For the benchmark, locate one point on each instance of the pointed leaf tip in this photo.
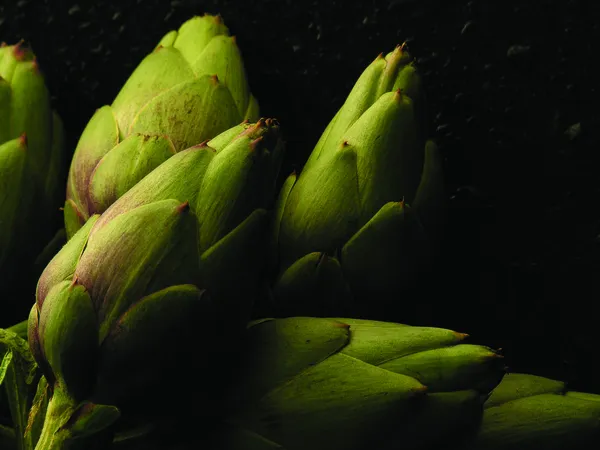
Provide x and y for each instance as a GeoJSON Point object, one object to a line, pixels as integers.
{"type": "Point", "coordinates": [322, 258]}
{"type": "Point", "coordinates": [215, 79]}
{"type": "Point", "coordinates": [23, 140]}
{"type": "Point", "coordinates": [203, 144]}
{"type": "Point", "coordinates": [341, 325]}
{"type": "Point", "coordinates": [422, 390]}
{"type": "Point", "coordinates": [461, 336]}
{"type": "Point", "coordinates": [256, 143]}
{"type": "Point", "coordinates": [398, 95]}
{"type": "Point", "coordinates": [20, 51]}
{"type": "Point", "coordinates": [184, 207]}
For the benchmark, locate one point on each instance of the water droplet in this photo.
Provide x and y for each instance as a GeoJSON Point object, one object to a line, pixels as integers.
{"type": "Point", "coordinates": [74, 9]}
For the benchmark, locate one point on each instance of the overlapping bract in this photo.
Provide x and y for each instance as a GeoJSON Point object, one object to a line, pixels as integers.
{"type": "Point", "coordinates": [31, 152]}
{"type": "Point", "coordinates": [189, 89]}
{"type": "Point", "coordinates": [536, 413]}
{"type": "Point", "coordinates": [355, 384]}
{"type": "Point", "coordinates": [356, 225]}
{"type": "Point", "coordinates": [179, 255]}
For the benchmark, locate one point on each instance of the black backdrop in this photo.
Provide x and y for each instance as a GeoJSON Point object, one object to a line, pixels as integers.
{"type": "Point", "coordinates": [513, 103]}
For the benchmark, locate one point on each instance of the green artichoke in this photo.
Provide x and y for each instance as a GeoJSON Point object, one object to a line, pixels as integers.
{"type": "Point", "coordinates": [358, 223]}
{"type": "Point", "coordinates": [174, 262]}
{"type": "Point", "coordinates": [312, 383]}
{"type": "Point", "coordinates": [31, 157]}
{"type": "Point", "coordinates": [189, 89]}
{"type": "Point", "coordinates": [535, 413]}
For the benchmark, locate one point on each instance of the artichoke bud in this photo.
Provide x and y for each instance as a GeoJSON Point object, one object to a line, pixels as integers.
{"type": "Point", "coordinates": [120, 264]}
{"type": "Point", "coordinates": [189, 89]}
{"type": "Point", "coordinates": [68, 337]}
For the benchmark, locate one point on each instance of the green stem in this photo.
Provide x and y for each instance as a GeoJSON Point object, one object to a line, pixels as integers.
{"type": "Point", "coordinates": [20, 329]}
{"type": "Point", "coordinates": [54, 435]}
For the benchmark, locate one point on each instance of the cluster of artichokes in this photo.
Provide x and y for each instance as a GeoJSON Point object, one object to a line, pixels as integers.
{"type": "Point", "coordinates": [176, 228]}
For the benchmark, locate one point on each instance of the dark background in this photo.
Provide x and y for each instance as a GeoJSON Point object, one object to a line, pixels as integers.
{"type": "Point", "coordinates": [512, 101]}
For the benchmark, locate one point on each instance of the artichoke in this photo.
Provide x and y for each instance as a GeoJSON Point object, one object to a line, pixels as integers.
{"type": "Point", "coordinates": [316, 383]}
{"type": "Point", "coordinates": [172, 263]}
{"type": "Point", "coordinates": [31, 152]}
{"type": "Point", "coordinates": [358, 223]}
{"type": "Point", "coordinates": [189, 89]}
{"type": "Point", "coordinates": [536, 413]}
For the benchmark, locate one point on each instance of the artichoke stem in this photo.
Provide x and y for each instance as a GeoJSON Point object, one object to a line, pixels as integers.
{"type": "Point", "coordinates": [54, 435]}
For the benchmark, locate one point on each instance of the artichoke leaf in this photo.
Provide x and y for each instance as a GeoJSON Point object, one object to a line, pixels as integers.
{"type": "Point", "coordinates": [195, 34]}
{"type": "Point", "coordinates": [158, 72]}
{"type": "Point", "coordinates": [229, 269]}
{"type": "Point", "coordinates": [322, 210]}
{"type": "Point", "coordinates": [68, 336]}
{"type": "Point", "coordinates": [187, 112]}
{"type": "Point", "coordinates": [314, 285]}
{"type": "Point", "coordinates": [13, 156]}
{"type": "Point", "coordinates": [146, 329]}
{"type": "Point", "coordinates": [341, 402]}
{"type": "Point", "coordinates": [170, 180]}
{"type": "Point", "coordinates": [120, 263]}
{"type": "Point", "coordinates": [378, 342]}
{"type": "Point", "coordinates": [125, 165]}
{"type": "Point", "coordinates": [30, 113]}
{"type": "Point", "coordinates": [430, 199]}
{"type": "Point", "coordinates": [402, 247]}
{"type": "Point", "coordinates": [62, 266]}
{"type": "Point", "coordinates": [222, 57]}
{"type": "Point", "coordinates": [99, 136]}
